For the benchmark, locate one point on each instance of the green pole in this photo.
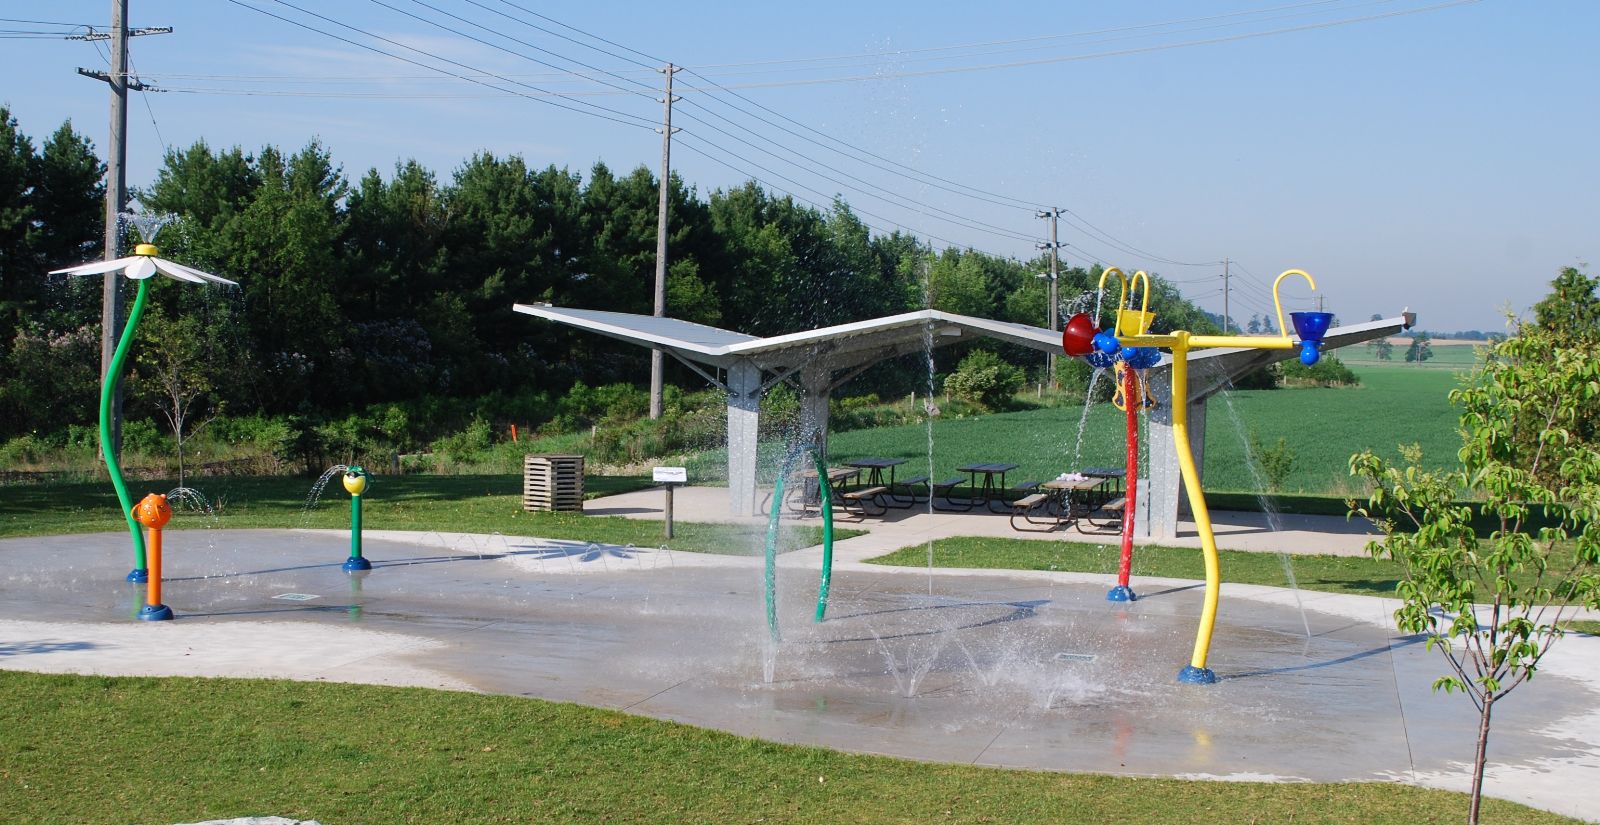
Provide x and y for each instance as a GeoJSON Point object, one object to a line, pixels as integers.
{"type": "Point", "coordinates": [827, 535]}
{"type": "Point", "coordinates": [355, 483]}
{"type": "Point", "coordinates": [355, 527]}
{"type": "Point", "coordinates": [114, 375]}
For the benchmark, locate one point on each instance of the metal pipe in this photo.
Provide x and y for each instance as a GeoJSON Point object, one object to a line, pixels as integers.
{"type": "Point", "coordinates": [827, 535]}
{"type": "Point", "coordinates": [107, 392]}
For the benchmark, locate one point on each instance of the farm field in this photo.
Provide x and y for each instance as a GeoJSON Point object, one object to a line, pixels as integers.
{"type": "Point", "coordinates": [1447, 355]}
{"type": "Point", "coordinates": [1394, 405]}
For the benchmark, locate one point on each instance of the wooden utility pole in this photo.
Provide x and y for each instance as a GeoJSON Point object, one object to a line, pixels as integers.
{"type": "Point", "coordinates": [116, 190]}
{"type": "Point", "coordinates": [1226, 325]}
{"type": "Point", "coordinates": [656, 360]}
{"type": "Point", "coordinates": [1054, 246]}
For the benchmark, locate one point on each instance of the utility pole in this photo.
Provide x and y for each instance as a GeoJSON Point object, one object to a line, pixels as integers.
{"type": "Point", "coordinates": [1225, 318]}
{"type": "Point", "coordinates": [1319, 302]}
{"type": "Point", "coordinates": [656, 360]}
{"type": "Point", "coordinates": [1052, 214]}
{"type": "Point", "coordinates": [116, 190]}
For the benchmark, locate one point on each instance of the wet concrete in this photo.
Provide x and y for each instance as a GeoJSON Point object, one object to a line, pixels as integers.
{"type": "Point", "coordinates": [1034, 671]}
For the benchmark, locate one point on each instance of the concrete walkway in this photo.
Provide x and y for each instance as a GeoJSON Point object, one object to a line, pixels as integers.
{"type": "Point", "coordinates": [1027, 669]}
{"type": "Point", "coordinates": [1287, 533]}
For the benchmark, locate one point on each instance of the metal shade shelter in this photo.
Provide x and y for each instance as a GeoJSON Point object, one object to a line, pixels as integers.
{"type": "Point", "coordinates": [822, 360]}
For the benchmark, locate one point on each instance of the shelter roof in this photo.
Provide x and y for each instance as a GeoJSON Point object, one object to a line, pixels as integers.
{"type": "Point", "coordinates": [841, 345]}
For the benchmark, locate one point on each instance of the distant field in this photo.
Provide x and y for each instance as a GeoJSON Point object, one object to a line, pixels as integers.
{"type": "Point", "coordinates": [1394, 405]}
{"type": "Point", "coordinates": [1447, 355]}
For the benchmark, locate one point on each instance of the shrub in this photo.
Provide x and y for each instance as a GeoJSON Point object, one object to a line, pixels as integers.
{"type": "Point", "coordinates": [1327, 372]}
{"type": "Point", "coordinates": [1276, 462]}
{"type": "Point", "coordinates": [984, 379]}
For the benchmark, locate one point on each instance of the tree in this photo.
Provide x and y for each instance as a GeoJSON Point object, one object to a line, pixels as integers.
{"type": "Point", "coordinates": [1571, 312]}
{"type": "Point", "coordinates": [1421, 349]}
{"type": "Point", "coordinates": [1494, 606]}
{"type": "Point", "coordinates": [1385, 349]}
{"type": "Point", "coordinates": [173, 376]}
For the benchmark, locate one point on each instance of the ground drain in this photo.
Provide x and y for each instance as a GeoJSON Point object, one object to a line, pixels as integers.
{"type": "Point", "coordinates": [1074, 657]}
{"type": "Point", "coordinates": [296, 597]}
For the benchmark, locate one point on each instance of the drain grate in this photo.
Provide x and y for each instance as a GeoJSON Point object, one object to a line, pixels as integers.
{"type": "Point", "coordinates": [1074, 657]}
{"type": "Point", "coordinates": [296, 597]}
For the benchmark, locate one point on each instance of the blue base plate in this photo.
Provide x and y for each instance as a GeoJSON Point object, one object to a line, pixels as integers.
{"type": "Point", "coordinates": [155, 613]}
{"type": "Point", "coordinates": [1121, 593]}
{"type": "Point", "coordinates": [139, 576]}
{"type": "Point", "coordinates": [1192, 675]}
{"type": "Point", "coordinates": [356, 563]}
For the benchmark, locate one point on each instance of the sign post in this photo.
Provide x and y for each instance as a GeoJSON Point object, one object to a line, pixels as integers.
{"type": "Point", "coordinates": [669, 478]}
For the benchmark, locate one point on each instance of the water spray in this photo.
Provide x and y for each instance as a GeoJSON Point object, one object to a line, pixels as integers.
{"type": "Point", "coordinates": [355, 483]}
{"type": "Point", "coordinates": [154, 512]}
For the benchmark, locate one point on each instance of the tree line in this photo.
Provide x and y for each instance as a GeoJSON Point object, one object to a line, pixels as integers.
{"type": "Point", "coordinates": [397, 288]}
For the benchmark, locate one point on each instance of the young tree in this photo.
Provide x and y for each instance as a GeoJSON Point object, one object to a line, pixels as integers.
{"type": "Point", "coordinates": [173, 375]}
{"type": "Point", "coordinates": [1385, 350]}
{"type": "Point", "coordinates": [1494, 606]}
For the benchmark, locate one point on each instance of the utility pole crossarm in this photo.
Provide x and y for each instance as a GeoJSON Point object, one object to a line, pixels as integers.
{"type": "Point", "coordinates": [131, 84]}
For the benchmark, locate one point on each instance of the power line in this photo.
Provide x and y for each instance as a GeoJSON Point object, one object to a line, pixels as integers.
{"type": "Point", "coordinates": [631, 120]}
{"type": "Point", "coordinates": [479, 40]}
{"type": "Point", "coordinates": [879, 76]}
{"type": "Point", "coordinates": [1036, 38]}
{"type": "Point", "coordinates": [899, 227]}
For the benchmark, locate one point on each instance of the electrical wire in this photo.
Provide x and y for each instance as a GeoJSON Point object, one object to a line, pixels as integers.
{"type": "Point", "coordinates": [615, 116]}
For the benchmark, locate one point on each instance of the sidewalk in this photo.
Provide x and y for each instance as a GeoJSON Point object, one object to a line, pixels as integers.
{"type": "Point", "coordinates": [1295, 534]}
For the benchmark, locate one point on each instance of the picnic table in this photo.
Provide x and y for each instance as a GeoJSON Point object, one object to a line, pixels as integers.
{"type": "Point", "coordinates": [988, 490]}
{"type": "Point", "coordinates": [874, 468]}
{"type": "Point", "coordinates": [806, 496]}
{"type": "Point", "coordinates": [1064, 501]}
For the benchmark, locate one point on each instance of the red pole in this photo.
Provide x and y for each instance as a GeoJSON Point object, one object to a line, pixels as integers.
{"type": "Point", "coordinates": [1132, 401]}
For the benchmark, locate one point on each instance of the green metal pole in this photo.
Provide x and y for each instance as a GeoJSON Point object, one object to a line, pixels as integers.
{"type": "Point", "coordinates": [827, 535]}
{"type": "Point", "coordinates": [113, 375]}
{"type": "Point", "coordinates": [355, 527]}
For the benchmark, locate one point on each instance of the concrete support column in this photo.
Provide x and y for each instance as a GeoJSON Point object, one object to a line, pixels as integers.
{"type": "Point", "coordinates": [1164, 499]}
{"type": "Point", "coordinates": [814, 396]}
{"type": "Point", "coordinates": [744, 420]}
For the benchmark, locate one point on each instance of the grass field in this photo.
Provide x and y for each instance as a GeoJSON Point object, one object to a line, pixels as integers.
{"type": "Point", "coordinates": [1447, 355]}
{"type": "Point", "coordinates": [465, 504]}
{"type": "Point", "coordinates": [1360, 575]}
{"type": "Point", "coordinates": [1394, 405]}
{"type": "Point", "coordinates": [96, 749]}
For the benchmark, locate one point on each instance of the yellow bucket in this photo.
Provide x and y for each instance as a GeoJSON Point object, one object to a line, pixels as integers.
{"type": "Point", "coordinates": [1134, 321]}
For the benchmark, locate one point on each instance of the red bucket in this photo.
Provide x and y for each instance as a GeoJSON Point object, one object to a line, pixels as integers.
{"type": "Point", "coordinates": [1078, 337]}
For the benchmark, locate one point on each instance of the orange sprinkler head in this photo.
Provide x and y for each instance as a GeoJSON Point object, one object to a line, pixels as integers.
{"type": "Point", "coordinates": [153, 511]}
{"type": "Point", "coordinates": [1078, 337]}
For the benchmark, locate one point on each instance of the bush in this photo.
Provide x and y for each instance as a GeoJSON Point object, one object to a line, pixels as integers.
{"type": "Point", "coordinates": [1327, 372]}
{"type": "Point", "coordinates": [1276, 462]}
{"type": "Point", "coordinates": [984, 379]}
{"type": "Point", "coordinates": [468, 445]}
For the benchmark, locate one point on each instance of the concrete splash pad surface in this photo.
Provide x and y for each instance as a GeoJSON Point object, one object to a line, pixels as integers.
{"type": "Point", "coordinates": [1011, 670]}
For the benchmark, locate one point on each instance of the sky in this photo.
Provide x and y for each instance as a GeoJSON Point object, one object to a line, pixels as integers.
{"type": "Point", "coordinates": [1423, 154]}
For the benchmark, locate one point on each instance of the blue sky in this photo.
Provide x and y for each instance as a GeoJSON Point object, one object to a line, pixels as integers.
{"type": "Point", "coordinates": [1442, 160]}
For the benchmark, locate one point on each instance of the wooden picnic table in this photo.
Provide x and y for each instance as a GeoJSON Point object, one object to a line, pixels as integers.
{"type": "Point", "coordinates": [1065, 500]}
{"type": "Point", "coordinates": [988, 490]}
{"type": "Point", "coordinates": [875, 468]}
{"type": "Point", "coordinates": [810, 492]}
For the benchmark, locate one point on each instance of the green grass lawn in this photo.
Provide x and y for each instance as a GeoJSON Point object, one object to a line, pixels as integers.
{"type": "Point", "coordinates": [1357, 575]}
{"type": "Point", "coordinates": [1394, 405]}
{"type": "Point", "coordinates": [97, 749]}
{"type": "Point", "coordinates": [465, 504]}
{"type": "Point", "coordinates": [1338, 574]}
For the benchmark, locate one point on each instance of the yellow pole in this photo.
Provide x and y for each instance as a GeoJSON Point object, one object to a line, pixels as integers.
{"type": "Point", "coordinates": [1196, 671]}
